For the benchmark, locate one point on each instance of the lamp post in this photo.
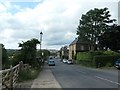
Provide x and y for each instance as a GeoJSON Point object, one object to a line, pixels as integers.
{"type": "Point", "coordinates": [40, 46]}
{"type": "Point", "coordinates": [40, 40]}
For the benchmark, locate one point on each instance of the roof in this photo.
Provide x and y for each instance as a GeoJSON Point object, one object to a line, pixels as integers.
{"type": "Point", "coordinates": [76, 41]}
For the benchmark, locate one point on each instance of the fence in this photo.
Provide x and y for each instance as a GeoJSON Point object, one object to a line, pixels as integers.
{"type": "Point", "coordinates": [10, 76]}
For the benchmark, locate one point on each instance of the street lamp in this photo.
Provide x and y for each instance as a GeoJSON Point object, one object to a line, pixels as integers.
{"type": "Point", "coordinates": [40, 46]}
{"type": "Point", "coordinates": [40, 39]}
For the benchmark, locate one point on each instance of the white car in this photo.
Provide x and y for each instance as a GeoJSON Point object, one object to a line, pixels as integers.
{"type": "Point", "coordinates": [70, 61]}
{"type": "Point", "coordinates": [64, 60]}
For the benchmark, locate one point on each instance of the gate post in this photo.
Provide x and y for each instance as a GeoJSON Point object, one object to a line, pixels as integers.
{"type": "Point", "coordinates": [11, 77]}
{"type": "Point", "coordinates": [21, 65]}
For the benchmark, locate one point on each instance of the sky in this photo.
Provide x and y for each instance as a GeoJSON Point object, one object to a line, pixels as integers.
{"type": "Point", "coordinates": [22, 20]}
{"type": "Point", "coordinates": [119, 13]}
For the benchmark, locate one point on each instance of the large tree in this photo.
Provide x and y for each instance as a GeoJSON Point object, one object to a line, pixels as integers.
{"type": "Point", "coordinates": [93, 24]}
{"type": "Point", "coordinates": [28, 50]}
{"type": "Point", "coordinates": [111, 39]}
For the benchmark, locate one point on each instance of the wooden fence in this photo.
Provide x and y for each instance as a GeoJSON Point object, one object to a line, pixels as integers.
{"type": "Point", "coordinates": [10, 76]}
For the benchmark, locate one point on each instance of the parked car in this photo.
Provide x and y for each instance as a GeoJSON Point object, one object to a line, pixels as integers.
{"type": "Point", "coordinates": [117, 64]}
{"type": "Point", "coordinates": [69, 61]}
{"type": "Point", "coordinates": [64, 60]}
{"type": "Point", "coordinates": [51, 63]}
{"type": "Point", "coordinates": [51, 58]}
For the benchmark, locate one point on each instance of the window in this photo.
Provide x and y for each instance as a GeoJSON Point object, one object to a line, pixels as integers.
{"type": "Point", "coordinates": [82, 47]}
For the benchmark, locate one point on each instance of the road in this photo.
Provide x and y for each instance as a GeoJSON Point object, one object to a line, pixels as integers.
{"type": "Point", "coordinates": [76, 76]}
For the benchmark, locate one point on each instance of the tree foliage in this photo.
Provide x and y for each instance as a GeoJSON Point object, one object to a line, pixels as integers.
{"type": "Point", "coordinates": [93, 24]}
{"type": "Point", "coordinates": [28, 51]}
{"type": "Point", "coordinates": [46, 53]}
{"type": "Point", "coordinates": [111, 38]}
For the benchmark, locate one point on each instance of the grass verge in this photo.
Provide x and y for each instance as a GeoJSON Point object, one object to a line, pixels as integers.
{"type": "Point", "coordinates": [28, 74]}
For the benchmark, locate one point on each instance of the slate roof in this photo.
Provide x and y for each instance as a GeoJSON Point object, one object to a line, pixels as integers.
{"type": "Point", "coordinates": [76, 41]}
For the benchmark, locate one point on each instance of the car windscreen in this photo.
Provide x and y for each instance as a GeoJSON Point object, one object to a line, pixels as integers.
{"type": "Point", "coordinates": [51, 61]}
{"type": "Point", "coordinates": [118, 61]}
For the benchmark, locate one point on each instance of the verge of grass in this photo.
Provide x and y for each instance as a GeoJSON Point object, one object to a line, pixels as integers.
{"type": "Point", "coordinates": [28, 74]}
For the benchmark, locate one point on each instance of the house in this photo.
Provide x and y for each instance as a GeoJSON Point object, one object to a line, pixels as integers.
{"type": "Point", "coordinates": [78, 46]}
{"type": "Point", "coordinates": [58, 54]}
{"type": "Point", "coordinates": [64, 52]}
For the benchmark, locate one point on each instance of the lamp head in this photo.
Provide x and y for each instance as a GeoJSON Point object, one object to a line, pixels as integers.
{"type": "Point", "coordinates": [41, 33]}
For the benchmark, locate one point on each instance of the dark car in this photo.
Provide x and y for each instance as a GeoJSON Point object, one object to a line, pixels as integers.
{"type": "Point", "coordinates": [51, 63]}
{"type": "Point", "coordinates": [117, 64]}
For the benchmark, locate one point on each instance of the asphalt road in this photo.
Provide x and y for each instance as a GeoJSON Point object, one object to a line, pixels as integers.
{"type": "Point", "coordinates": [76, 76]}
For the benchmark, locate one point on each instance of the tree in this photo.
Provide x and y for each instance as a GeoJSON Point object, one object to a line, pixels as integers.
{"type": "Point", "coordinates": [46, 53]}
{"type": "Point", "coordinates": [28, 51]}
{"type": "Point", "coordinates": [93, 24]}
{"type": "Point", "coordinates": [111, 38]}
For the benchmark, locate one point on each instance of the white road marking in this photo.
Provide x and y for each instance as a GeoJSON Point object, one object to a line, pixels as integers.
{"type": "Point", "coordinates": [107, 80]}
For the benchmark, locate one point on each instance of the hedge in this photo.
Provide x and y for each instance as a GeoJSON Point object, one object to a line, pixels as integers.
{"type": "Point", "coordinates": [88, 56]}
{"type": "Point", "coordinates": [97, 58]}
{"type": "Point", "coordinates": [104, 60]}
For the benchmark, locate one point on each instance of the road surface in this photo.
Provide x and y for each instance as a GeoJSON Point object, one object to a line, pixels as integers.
{"type": "Point", "coordinates": [76, 76]}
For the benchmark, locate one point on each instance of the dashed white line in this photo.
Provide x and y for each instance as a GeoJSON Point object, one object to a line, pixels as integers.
{"type": "Point", "coordinates": [107, 80]}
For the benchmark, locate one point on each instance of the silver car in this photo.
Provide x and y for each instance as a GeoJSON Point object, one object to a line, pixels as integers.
{"type": "Point", "coordinates": [64, 60]}
{"type": "Point", "coordinates": [70, 61]}
{"type": "Point", "coordinates": [51, 63]}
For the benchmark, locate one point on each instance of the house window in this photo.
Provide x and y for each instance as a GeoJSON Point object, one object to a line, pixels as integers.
{"type": "Point", "coordinates": [82, 47]}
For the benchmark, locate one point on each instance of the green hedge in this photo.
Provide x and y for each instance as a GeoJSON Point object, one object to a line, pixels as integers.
{"type": "Point", "coordinates": [104, 60]}
{"type": "Point", "coordinates": [111, 53]}
{"type": "Point", "coordinates": [84, 56]}
{"type": "Point", "coordinates": [86, 63]}
{"type": "Point", "coordinates": [97, 58]}
{"type": "Point", "coordinates": [88, 56]}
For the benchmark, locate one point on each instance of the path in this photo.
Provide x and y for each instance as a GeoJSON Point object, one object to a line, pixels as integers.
{"type": "Point", "coordinates": [45, 79]}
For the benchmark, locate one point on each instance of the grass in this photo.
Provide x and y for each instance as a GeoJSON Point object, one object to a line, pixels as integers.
{"type": "Point", "coordinates": [28, 74]}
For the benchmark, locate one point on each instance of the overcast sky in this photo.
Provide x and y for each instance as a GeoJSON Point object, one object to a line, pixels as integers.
{"type": "Point", "coordinates": [57, 19]}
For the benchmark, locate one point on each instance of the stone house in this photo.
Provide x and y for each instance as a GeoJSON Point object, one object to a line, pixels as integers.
{"type": "Point", "coordinates": [64, 52]}
{"type": "Point", "coordinates": [78, 46]}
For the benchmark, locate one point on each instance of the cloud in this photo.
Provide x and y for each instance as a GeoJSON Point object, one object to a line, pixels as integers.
{"type": "Point", "coordinates": [57, 19]}
{"type": "Point", "coordinates": [2, 8]}
{"type": "Point", "coordinates": [7, 33]}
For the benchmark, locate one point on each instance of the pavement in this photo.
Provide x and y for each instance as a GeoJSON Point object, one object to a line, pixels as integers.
{"type": "Point", "coordinates": [45, 79]}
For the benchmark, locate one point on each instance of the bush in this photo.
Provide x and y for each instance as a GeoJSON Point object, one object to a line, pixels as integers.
{"type": "Point", "coordinates": [28, 74]}
{"type": "Point", "coordinates": [88, 56]}
{"type": "Point", "coordinates": [84, 56]}
{"type": "Point", "coordinates": [111, 53]}
{"type": "Point", "coordinates": [97, 58]}
{"type": "Point", "coordinates": [104, 60]}
{"type": "Point", "coordinates": [86, 63]}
